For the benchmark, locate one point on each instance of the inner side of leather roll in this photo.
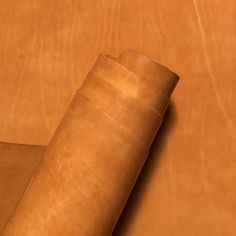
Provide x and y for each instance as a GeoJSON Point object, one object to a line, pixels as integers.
{"type": "Point", "coordinates": [130, 83]}
{"type": "Point", "coordinates": [130, 113]}
{"type": "Point", "coordinates": [158, 75]}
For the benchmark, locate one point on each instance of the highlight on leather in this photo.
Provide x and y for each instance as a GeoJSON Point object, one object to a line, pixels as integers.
{"type": "Point", "coordinates": [158, 75]}
{"type": "Point", "coordinates": [97, 152]}
{"type": "Point", "coordinates": [130, 83]}
{"type": "Point", "coordinates": [118, 104]}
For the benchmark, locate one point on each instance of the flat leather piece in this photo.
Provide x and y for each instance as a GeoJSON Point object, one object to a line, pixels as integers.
{"type": "Point", "coordinates": [17, 165]}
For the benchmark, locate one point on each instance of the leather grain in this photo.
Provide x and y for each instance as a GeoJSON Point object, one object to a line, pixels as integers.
{"type": "Point", "coordinates": [47, 47]}
{"type": "Point", "coordinates": [94, 158]}
{"type": "Point", "coordinates": [118, 104]}
{"type": "Point", "coordinates": [88, 171]}
{"type": "Point", "coordinates": [160, 77]}
{"type": "Point", "coordinates": [17, 165]}
{"type": "Point", "coordinates": [131, 83]}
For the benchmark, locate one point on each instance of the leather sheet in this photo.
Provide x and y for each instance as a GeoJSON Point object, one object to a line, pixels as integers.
{"type": "Point", "coordinates": [95, 156]}
{"type": "Point", "coordinates": [17, 165]}
{"type": "Point", "coordinates": [188, 184]}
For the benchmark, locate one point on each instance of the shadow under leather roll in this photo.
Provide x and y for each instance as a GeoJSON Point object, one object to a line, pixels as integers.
{"type": "Point", "coordinates": [94, 158]}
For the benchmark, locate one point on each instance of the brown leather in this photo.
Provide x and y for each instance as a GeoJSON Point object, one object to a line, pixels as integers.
{"type": "Point", "coordinates": [47, 47]}
{"type": "Point", "coordinates": [130, 83]}
{"type": "Point", "coordinates": [17, 165]}
{"type": "Point", "coordinates": [118, 104]}
{"type": "Point", "coordinates": [159, 76]}
{"type": "Point", "coordinates": [81, 173]}
{"type": "Point", "coordinates": [94, 158]}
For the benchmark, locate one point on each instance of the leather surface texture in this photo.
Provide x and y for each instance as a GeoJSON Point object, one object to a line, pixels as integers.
{"type": "Point", "coordinates": [17, 165]}
{"type": "Point", "coordinates": [95, 156]}
{"type": "Point", "coordinates": [187, 186]}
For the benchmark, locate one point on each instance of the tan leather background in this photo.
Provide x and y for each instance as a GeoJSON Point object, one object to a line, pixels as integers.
{"type": "Point", "coordinates": [187, 186]}
{"type": "Point", "coordinates": [17, 165]}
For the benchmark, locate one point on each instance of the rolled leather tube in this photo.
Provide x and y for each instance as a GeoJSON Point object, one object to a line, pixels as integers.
{"type": "Point", "coordinates": [93, 160]}
{"type": "Point", "coordinates": [130, 83]}
{"type": "Point", "coordinates": [140, 120]}
{"type": "Point", "coordinates": [158, 75]}
{"type": "Point", "coordinates": [84, 178]}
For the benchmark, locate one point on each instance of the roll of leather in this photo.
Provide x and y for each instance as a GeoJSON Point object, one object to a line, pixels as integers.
{"type": "Point", "coordinates": [159, 76]}
{"type": "Point", "coordinates": [118, 104]}
{"type": "Point", "coordinates": [130, 83]}
{"type": "Point", "coordinates": [95, 156]}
